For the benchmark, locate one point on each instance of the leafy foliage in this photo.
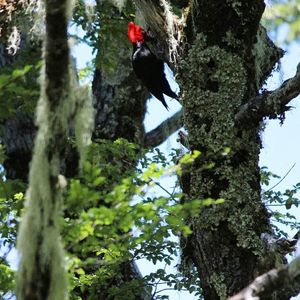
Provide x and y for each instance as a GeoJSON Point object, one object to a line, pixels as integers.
{"type": "Point", "coordinates": [119, 223]}
{"type": "Point", "coordinates": [285, 13]}
{"type": "Point", "coordinates": [6, 280]}
{"type": "Point", "coordinates": [104, 27]}
{"type": "Point", "coordinates": [280, 199]}
{"type": "Point", "coordinates": [11, 204]}
{"type": "Point", "coordinates": [19, 88]}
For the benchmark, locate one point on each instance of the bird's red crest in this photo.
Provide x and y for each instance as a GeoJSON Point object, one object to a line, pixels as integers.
{"type": "Point", "coordinates": [135, 33]}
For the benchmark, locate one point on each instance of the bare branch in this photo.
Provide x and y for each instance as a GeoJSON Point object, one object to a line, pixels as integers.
{"type": "Point", "coordinates": [282, 280]}
{"type": "Point", "coordinates": [270, 104]}
{"type": "Point", "coordinates": [159, 134]}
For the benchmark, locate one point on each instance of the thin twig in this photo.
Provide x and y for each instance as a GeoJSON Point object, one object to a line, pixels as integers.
{"type": "Point", "coordinates": [165, 190]}
{"type": "Point", "coordinates": [292, 167]}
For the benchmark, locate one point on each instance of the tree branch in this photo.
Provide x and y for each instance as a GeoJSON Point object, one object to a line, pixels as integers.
{"type": "Point", "coordinates": [284, 281]}
{"type": "Point", "coordinates": [41, 272]}
{"type": "Point", "coordinates": [159, 134]}
{"type": "Point", "coordinates": [270, 104]}
{"type": "Point", "coordinates": [163, 23]}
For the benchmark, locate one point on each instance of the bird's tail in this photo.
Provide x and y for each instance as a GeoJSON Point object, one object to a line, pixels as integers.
{"type": "Point", "coordinates": [161, 98]}
{"type": "Point", "coordinates": [163, 101]}
{"type": "Point", "coordinates": [171, 94]}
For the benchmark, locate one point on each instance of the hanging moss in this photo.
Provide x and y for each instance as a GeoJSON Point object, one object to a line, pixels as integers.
{"type": "Point", "coordinates": [84, 120]}
{"type": "Point", "coordinates": [41, 270]}
{"type": "Point", "coordinates": [41, 273]}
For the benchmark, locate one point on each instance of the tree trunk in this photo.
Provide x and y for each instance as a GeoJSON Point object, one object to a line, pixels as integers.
{"type": "Point", "coordinates": [224, 60]}
{"type": "Point", "coordinates": [219, 74]}
{"type": "Point", "coordinates": [41, 273]}
{"type": "Point", "coordinates": [119, 101]}
{"type": "Point", "coordinates": [120, 105]}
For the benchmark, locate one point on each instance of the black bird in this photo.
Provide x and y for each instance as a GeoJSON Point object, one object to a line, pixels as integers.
{"type": "Point", "coordinates": [147, 67]}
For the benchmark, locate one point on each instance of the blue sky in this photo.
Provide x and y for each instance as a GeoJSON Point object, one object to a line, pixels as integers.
{"type": "Point", "coordinates": [281, 143]}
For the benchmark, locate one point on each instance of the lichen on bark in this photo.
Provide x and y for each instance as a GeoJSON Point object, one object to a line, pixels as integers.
{"type": "Point", "coordinates": [215, 85]}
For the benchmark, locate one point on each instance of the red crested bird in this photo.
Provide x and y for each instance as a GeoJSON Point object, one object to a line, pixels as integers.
{"type": "Point", "coordinates": [147, 67]}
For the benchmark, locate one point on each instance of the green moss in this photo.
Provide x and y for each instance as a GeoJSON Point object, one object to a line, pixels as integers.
{"type": "Point", "coordinates": [217, 281]}
{"type": "Point", "coordinates": [231, 40]}
{"type": "Point", "coordinates": [220, 77]}
{"type": "Point", "coordinates": [215, 84]}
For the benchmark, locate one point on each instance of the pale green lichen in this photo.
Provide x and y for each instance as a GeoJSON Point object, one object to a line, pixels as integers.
{"type": "Point", "coordinates": [215, 85]}
{"type": "Point", "coordinates": [35, 9]}
{"type": "Point", "coordinates": [217, 281]}
{"type": "Point", "coordinates": [39, 244]}
{"type": "Point", "coordinates": [221, 78]}
{"type": "Point", "coordinates": [262, 51]}
{"type": "Point", "coordinates": [39, 240]}
{"type": "Point", "coordinates": [84, 120]}
{"type": "Point", "coordinates": [163, 22]}
{"type": "Point", "coordinates": [14, 40]}
{"type": "Point", "coordinates": [231, 40]}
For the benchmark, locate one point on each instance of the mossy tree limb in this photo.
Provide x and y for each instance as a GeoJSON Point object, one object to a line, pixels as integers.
{"type": "Point", "coordinates": [164, 24]}
{"type": "Point", "coordinates": [280, 280]}
{"type": "Point", "coordinates": [270, 103]}
{"type": "Point", "coordinates": [41, 273]}
{"type": "Point", "coordinates": [223, 64]}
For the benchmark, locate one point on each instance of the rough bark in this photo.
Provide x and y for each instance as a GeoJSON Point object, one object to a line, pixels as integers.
{"type": "Point", "coordinates": [120, 108]}
{"type": "Point", "coordinates": [283, 282]}
{"type": "Point", "coordinates": [226, 58]}
{"type": "Point", "coordinates": [18, 137]}
{"type": "Point", "coordinates": [225, 245]}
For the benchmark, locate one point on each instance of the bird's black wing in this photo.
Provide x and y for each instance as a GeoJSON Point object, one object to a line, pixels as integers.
{"type": "Point", "coordinates": [150, 70]}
